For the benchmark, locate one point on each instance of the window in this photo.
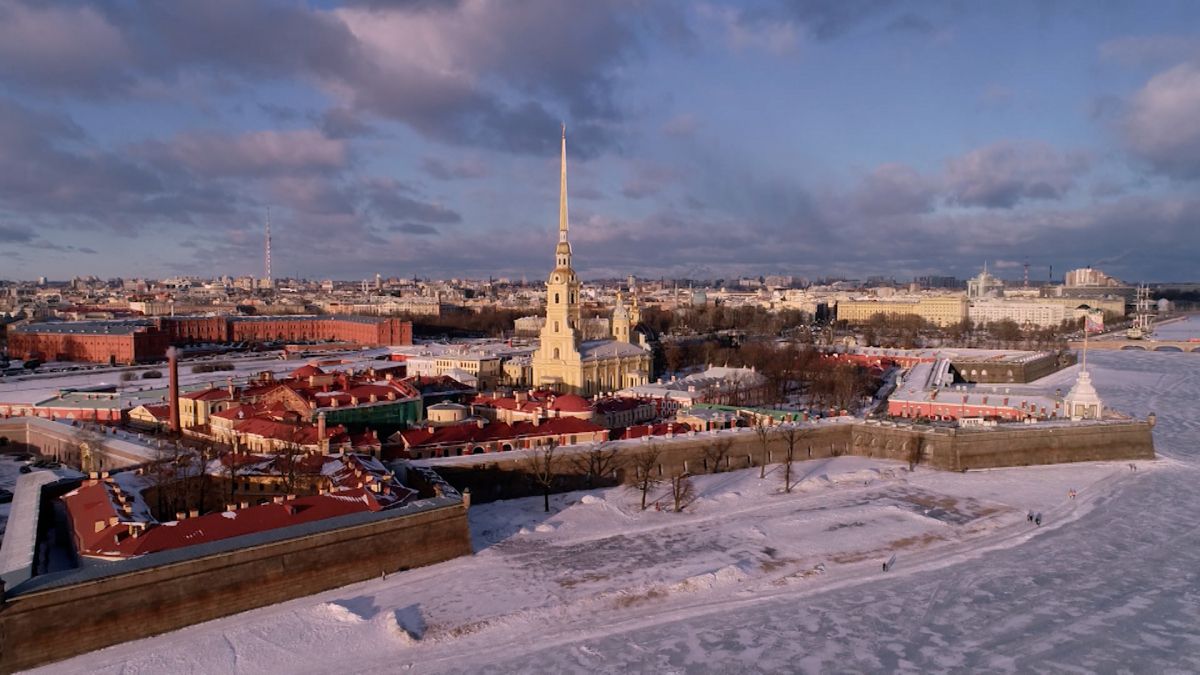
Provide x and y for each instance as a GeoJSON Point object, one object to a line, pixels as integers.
{"type": "Point", "coordinates": [556, 298]}
{"type": "Point", "coordinates": [555, 326]}
{"type": "Point", "coordinates": [556, 352]}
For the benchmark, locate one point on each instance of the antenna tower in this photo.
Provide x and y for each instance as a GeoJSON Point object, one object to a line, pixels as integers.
{"type": "Point", "coordinates": [1026, 271]}
{"type": "Point", "coordinates": [269, 282]}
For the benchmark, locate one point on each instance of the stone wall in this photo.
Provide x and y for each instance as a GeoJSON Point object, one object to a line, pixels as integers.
{"type": "Point", "coordinates": [42, 626]}
{"type": "Point", "coordinates": [503, 476]}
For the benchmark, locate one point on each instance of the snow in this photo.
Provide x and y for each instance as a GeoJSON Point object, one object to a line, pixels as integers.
{"type": "Point", "coordinates": [751, 579]}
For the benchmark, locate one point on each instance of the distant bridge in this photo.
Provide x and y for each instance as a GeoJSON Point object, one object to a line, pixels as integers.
{"type": "Point", "coordinates": [1143, 345]}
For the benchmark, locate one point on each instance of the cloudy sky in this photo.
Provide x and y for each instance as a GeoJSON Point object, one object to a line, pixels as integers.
{"type": "Point", "coordinates": [420, 137]}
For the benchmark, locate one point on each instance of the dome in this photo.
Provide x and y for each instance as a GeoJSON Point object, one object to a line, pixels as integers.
{"type": "Point", "coordinates": [571, 403]}
{"type": "Point", "coordinates": [307, 371]}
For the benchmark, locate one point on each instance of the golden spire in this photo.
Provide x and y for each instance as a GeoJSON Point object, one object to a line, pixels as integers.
{"type": "Point", "coordinates": [562, 195]}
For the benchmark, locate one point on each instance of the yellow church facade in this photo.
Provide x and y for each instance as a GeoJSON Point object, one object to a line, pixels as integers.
{"type": "Point", "coordinates": [563, 361]}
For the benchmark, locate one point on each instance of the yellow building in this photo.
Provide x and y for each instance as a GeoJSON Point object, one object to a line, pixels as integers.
{"type": "Point", "coordinates": [564, 361]}
{"type": "Point", "coordinates": [941, 311]}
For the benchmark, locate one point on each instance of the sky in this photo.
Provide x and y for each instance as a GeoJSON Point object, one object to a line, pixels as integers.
{"type": "Point", "coordinates": [420, 138]}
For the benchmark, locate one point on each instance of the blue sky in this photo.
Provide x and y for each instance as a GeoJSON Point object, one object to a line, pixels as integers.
{"type": "Point", "coordinates": [419, 137]}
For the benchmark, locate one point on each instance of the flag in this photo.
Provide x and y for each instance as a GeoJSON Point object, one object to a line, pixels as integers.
{"type": "Point", "coordinates": [1095, 322]}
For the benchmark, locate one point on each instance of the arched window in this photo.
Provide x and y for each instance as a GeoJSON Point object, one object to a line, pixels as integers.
{"type": "Point", "coordinates": [556, 298]}
{"type": "Point", "coordinates": [556, 352]}
{"type": "Point", "coordinates": [572, 296]}
{"type": "Point", "coordinates": [555, 326]}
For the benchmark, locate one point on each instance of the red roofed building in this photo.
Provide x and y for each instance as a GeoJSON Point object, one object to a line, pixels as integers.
{"type": "Point", "coordinates": [483, 437]}
{"type": "Point", "coordinates": [109, 520]}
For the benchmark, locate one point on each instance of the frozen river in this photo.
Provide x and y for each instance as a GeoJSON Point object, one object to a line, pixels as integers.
{"type": "Point", "coordinates": [1116, 591]}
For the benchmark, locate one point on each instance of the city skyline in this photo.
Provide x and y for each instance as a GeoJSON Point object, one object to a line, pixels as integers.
{"type": "Point", "coordinates": [419, 138]}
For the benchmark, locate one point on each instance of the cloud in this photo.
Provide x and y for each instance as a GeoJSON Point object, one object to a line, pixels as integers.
{"type": "Point", "coordinates": [647, 180]}
{"type": "Point", "coordinates": [15, 234]}
{"type": "Point", "coordinates": [894, 189]}
{"type": "Point", "coordinates": [683, 124]}
{"type": "Point", "coordinates": [387, 198]}
{"type": "Point", "coordinates": [1162, 123]}
{"type": "Point", "coordinates": [1150, 50]}
{"type": "Point", "coordinates": [61, 47]}
{"type": "Point", "coordinates": [280, 114]}
{"type": "Point", "coordinates": [341, 122]}
{"type": "Point", "coordinates": [44, 172]}
{"type": "Point", "coordinates": [413, 228]}
{"type": "Point", "coordinates": [585, 192]}
{"type": "Point", "coordinates": [1006, 173]}
{"type": "Point", "coordinates": [468, 168]}
{"type": "Point", "coordinates": [257, 153]}
{"type": "Point", "coordinates": [911, 23]}
{"type": "Point", "coordinates": [822, 19]}
{"type": "Point", "coordinates": [487, 73]}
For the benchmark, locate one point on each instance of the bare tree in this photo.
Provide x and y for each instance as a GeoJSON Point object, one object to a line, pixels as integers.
{"type": "Point", "coordinates": [542, 466]}
{"type": "Point", "coordinates": [792, 435]}
{"type": "Point", "coordinates": [85, 449]}
{"type": "Point", "coordinates": [682, 491]}
{"type": "Point", "coordinates": [716, 453]}
{"type": "Point", "coordinates": [289, 459]}
{"type": "Point", "coordinates": [645, 467]}
{"type": "Point", "coordinates": [596, 462]}
{"type": "Point", "coordinates": [763, 432]}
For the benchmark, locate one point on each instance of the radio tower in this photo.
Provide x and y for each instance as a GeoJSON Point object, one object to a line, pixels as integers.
{"type": "Point", "coordinates": [1026, 271]}
{"type": "Point", "coordinates": [270, 284]}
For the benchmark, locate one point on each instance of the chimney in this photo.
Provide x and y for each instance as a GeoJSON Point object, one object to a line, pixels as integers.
{"type": "Point", "coordinates": [231, 507]}
{"type": "Point", "coordinates": [244, 505]}
{"type": "Point", "coordinates": [391, 396]}
{"type": "Point", "coordinates": [194, 513]}
{"type": "Point", "coordinates": [374, 398]}
{"type": "Point", "coordinates": [100, 525]}
{"type": "Point", "coordinates": [279, 499]}
{"type": "Point", "coordinates": [180, 515]}
{"type": "Point", "coordinates": [173, 366]}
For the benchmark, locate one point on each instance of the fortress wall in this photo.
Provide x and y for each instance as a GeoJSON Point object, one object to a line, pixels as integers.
{"type": "Point", "coordinates": [44, 626]}
{"type": "Point", "coordinates": [502, 475]}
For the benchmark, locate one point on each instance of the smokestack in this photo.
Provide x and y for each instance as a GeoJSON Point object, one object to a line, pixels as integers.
{"type": "Point", "coordinates": [322, 443]}
{"type": "Point", "coordinates": [173, 364]}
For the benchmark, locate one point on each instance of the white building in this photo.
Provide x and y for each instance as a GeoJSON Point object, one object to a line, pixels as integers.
{"type": "Point", "coordinates": [1024, 313]}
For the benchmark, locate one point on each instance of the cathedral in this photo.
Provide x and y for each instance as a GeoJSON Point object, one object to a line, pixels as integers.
{"type": "Point", "coordinates": [564, 361]}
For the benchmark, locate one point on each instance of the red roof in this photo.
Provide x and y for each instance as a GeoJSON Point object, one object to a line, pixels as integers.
{"type": "Point", "coordinates": [211, 394]}
{"type": "Point", "coordinates": [306, 371]}
{"type": "Point", "coordinates": [159, 411]}
{"type": "Point", "coordinates": [653, 430]}
{"type": "Point", "coordinates": [464, 434]}
{"type": "Point", "coordinates": [571, 403]}
{"type": "Point", "coordinates": [103, 529]}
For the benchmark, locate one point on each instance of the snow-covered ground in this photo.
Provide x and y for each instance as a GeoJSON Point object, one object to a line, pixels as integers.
{"type": "Point", "coordinates": [748, 579]}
